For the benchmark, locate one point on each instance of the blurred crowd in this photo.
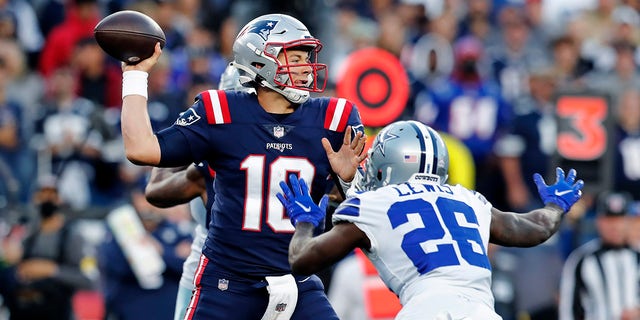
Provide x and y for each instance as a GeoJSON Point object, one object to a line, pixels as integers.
{"type": "Point", "coordinates": [486, 72]}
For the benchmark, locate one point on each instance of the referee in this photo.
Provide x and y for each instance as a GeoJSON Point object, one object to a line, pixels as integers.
{"type": "Point", "coordinates": [600, 278]}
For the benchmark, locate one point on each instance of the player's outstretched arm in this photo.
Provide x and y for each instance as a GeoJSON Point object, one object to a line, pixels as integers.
{"type": "Point", "coordinates": [168, 187]}
{"type": "Point", "coordinates": [346, 160]}
{"type": "Point", "coordinates": [140, 143]}
{"type": "Point", "coordinates": [308, 255]}
{"type": "Point", "coordinates": [536, 226]}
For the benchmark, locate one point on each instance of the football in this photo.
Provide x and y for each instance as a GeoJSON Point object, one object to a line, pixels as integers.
{"type": "Point", "coordinates": [129, 36]}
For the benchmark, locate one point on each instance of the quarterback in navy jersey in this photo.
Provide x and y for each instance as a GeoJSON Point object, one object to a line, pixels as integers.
{"type": "Point", "coordinates": [253, 187]}
{"type": "Point", "coordinates": [254, 141]}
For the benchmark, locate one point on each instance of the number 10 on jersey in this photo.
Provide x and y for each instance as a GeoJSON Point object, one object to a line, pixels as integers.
{"type": "Point", "coordinates": [255, 167]}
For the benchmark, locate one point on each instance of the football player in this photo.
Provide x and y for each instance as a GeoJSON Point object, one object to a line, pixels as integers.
{"type": "Point", "coordinates": [427, 239]}
{"type": "Point", "coordinates": [253, 141]}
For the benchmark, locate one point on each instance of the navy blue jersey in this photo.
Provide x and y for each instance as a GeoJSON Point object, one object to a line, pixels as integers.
{"type": "Point", "coordinates": [251, 151]}
{"type": "Point", "coordinates": [209, 176]}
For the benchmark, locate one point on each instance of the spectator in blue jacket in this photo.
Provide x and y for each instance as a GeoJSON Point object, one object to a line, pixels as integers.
{"type": "Point", "coordinates": [125, 297]}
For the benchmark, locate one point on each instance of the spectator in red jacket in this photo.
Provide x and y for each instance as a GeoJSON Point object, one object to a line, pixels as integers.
{"type": "Point", "coordinates": [81, 17]}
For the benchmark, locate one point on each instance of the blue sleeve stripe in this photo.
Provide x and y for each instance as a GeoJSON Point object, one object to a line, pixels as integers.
{"type": "Point", "coordinates": [351, 207]}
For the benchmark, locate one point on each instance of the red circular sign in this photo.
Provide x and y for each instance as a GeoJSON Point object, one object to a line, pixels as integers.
{"type": "Point", "coordinates": [377, 83]}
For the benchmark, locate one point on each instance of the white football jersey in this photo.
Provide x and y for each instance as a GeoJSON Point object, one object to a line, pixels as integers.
{"type": "Point", "coordinates": [198, 212]}
{"type": "Point", "coordinates": [429, 245]}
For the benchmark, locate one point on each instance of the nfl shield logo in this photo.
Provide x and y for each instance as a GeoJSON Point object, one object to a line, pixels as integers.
{"type": "Point", "coordinates": [278, 131]}
{"type": "Point", "coordinates": [281, 307]}
{"type": "Point", "coordinates": [223, 284]}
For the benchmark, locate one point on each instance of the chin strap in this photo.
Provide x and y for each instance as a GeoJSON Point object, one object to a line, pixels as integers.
{"type": "Point", "coordinates": [294, 95]}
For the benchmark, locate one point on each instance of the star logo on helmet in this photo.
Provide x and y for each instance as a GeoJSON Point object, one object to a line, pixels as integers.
{"type": "Point", "coordinates": [383, 138]}
{"type": "Point", "coordinates": [263, 28]}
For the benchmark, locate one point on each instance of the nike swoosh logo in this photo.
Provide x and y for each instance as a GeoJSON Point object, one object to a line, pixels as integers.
{"type": "Point", "coordinates": [303, 280]}
{"type": "Point", "coordinates": [560, 194]}
{"type": "Point", "coordinates": [305, 208]}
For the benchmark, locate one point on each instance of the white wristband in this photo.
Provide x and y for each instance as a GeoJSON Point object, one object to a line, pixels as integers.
{"type": "Point", "coordinates": [345, 185]}
{"type": "Point", "coordinates": [134, 82]}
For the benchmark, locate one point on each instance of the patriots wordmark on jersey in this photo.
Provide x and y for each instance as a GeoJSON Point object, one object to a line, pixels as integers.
{"type": "Point", "coordinates": [251, 151]}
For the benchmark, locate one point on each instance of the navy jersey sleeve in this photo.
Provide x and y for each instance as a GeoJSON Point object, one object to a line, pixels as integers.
{"type": "Point", "coordinates": [209, 176]}
{"type": "Point", "coordinates": [341, 113]}
{"type": "Point", "coordinates": [206, 171]}
{"type": "Point", "coordinates": [354, 121]}
{"type": "Point", "coordinates": [189, 138]}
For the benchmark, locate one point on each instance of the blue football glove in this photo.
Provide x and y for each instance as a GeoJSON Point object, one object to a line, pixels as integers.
{"type": "Point", "coordinates": [563, 193]}
{"type": "Point", "coordinates": [299, 204]}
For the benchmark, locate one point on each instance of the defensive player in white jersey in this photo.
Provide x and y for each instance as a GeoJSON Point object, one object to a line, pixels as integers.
{"type": "Point", "coordinates": [427, 239]}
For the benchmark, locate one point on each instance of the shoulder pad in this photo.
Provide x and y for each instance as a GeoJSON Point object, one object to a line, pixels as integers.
{"type": "Point", "coordinates": [479, 196]}
{"type": "Point", "coordinates": [337, 114]}
{"type": "Point", "coordinates": [216, 106]}
{"type": "Point", "coordinates": [348, 210]}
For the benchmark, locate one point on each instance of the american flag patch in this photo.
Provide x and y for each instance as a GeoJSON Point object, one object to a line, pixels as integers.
{"type": "Point", "coordinates": [280, 307]}
{"type": "Point", "coordinates": [410, 158]}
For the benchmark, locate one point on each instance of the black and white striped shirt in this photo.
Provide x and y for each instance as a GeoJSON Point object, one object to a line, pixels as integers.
{"type": "Point", "coordinates": [599, 282]}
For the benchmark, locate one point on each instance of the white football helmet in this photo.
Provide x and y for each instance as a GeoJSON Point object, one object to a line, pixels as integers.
{"type": "Point", "coordinates": [404, 150]}
{"type": "Point", "coordinates": [230, 80]}
{"type": "Point", "coordinates": [256, 51]}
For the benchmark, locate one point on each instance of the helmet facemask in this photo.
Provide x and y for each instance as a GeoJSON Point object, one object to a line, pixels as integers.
{"type": "Point", "coordinates": [316, 72]}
